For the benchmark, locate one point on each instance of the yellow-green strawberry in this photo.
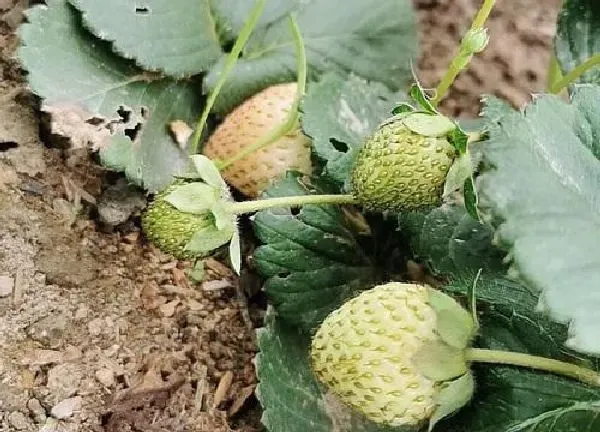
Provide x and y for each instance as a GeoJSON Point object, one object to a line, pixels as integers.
{"type": "Point", "coordinates": [403, 165]}
{"type": "Point", "coordinates": [171, 229]}
{"type": "Point", "coordinates": [246, 124]}
{"type": "Point", "coordinates": [395, 354]}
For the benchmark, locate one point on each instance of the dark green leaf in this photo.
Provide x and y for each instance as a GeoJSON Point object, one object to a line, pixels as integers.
{"type": "Point", "coordinates": [541, 192]}
{"type": "Point", "coordinates": [471, 200]}
{"type": "Point", "coordinates": [403, 108]}
{"type": "Point", "coordinates": [459, 140]}
{"type": "Point", "coordinates": [311, 260]}
{"type": "Point", "coordinates": [338, 114]}
{"type": "Point", "coordinates": [418, 95]}
{"type": "Point", "coordinates": [292, 399]}
{"type": "Point", "coordinates": [98, 85]}
{"type": "Point", "coordinates": [177, 38]}
{"type": "Point", "coordinates": [578, 36]}
{"type": "Point", "coordinates": [516, 399]}
{"type": "Point", "coordinates": [375, 42]}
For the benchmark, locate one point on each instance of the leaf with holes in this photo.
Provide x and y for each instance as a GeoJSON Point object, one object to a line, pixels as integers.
{"type": "Point", "coordinates": [311, 259]}
{"type": "Point", "coordinates": [177, 38]}
{"type": "Point", "coordinates": [541, 193]}
{"type": "Point", "coordinates": [375, 41]}
{"type": "Point", "coordinates": [131, 109]}
{"type": "Point", "coordinates": [578, 37]}
{"type": "Point", "coordinates": [338, 113]}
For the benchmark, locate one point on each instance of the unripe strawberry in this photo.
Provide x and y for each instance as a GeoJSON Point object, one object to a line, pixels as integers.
{"type": "Point", "coordinates": [245, 125]}
{"type": "Point", "coordinates": [171, 229]}
{"type": "Point", "coordinates": [403, 165]}
{"type": "Point", "coordinates": [375, 353]}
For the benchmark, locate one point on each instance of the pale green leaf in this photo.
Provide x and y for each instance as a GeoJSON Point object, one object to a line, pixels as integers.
{"type": "Point", "coordinates": [428, 124]}
{"type": "Point", "coordinates": [542, 193]}
{"type": "Point", "coordinates": [452, 397]}
{"type": "Point", "coordinates": [376, 41]}
{"type": "Point", "coordinates": [193, 197]}
{"type": "Point", "coordinates": [439, 361]}
{"type": "Point", "coordinates": [178, 38]}
{"type": "Point", "coordinates": [208, 171]}
{"type": "Point", "coordinates": [311, 259]}
{"type": "Point", "coordinates": [235, 251]}
{"type": "Point", "coordinates": [209, 239]}
{"type": "Point", "coordinates": [71, 70]}
{"type": "Point", "coordinates": [338, 114]}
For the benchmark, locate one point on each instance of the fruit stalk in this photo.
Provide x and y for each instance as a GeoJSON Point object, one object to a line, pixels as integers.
{"type": "Point", "coordinates": [462, 58]}
{"type": "Point", "coordinates": [238, 46]}
{"type": "Point", "coordinates": [572, 76]}
{"type": "Point", "coordinates": [584, 375]}
{"type": "Point", "coordinates": [292, 118]}
{"type": "Point", "coordinates": [239, 208]}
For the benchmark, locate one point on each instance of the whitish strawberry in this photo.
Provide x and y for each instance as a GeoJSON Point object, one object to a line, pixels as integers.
{"type": "Point", "coordinates": [246, 124]}
{"type": "Point", "coordinates": [403, 165]}
{"type": "Point", "coordinates": [383, 354]}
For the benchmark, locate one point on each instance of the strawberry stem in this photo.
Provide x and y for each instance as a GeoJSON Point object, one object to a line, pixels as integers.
{"type": "Point", "coordinates": [572, 76]}
{"type": "Point", "coordinates": [292, 118]}
{"type": "Point", "coordinates": [232, 58]}
{"type": "Point", "coordinates": [570, 370]}
{"type": "Point", "coordinates": [243, 207]}
{"type": "Point", "coordinates": [465, 53]}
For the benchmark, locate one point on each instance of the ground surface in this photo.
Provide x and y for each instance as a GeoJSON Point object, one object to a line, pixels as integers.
{"type": "Point", "coordinates": [101, 329]}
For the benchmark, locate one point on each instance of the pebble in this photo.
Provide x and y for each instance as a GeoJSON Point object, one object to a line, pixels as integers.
{"type": "Point", "coordinates": [106, 377]}
{"type": "Point", "coordinates": [18, 420]}
{"type": "Point", "coordinates": [64, 380]}
{"type": "Point", "coordinates": [66, 408]}
{"type": "Point", "coordinates": [6, 285]}
{"type": "Point", "coordinates": [37, 410]}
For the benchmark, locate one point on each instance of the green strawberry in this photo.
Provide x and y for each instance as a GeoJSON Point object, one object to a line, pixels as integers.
{"type": "Point", "coordinates": [403, 165]}
{"type": "Point", "coordinates": [171, 229]}
{"type": "Point", "coordinates": [395, 353]}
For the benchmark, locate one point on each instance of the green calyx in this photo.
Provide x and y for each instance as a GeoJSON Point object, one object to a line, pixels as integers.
{"type": "Point", "coordinates": [172, 230]}
{"type": "Point", "coordinates": [396, 353]}
{"type": "Point", "coordinates": [191, 217]}
{"type": "Point", "coordinates": [403, 165]}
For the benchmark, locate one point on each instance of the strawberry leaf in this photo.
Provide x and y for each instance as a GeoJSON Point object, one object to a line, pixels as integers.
{"type": "Point", "coordinates": [292, 399]}
{"type": "Point", "coordinates": [541, 193]}
{"type": "Point", "coordinates": [99, 87]}
{"type": "Point", "coordinates": [311, 259]}
{"type": "Point", "coordinates": [344, 36]}
{"type": "Point", "coordinates": [338, 114]}
{"type": "Point", "coordinates": [578, 37]}
{"type": "Point", "coordinates": [178, 39]}
{"type": "Point", "coordinates": [513, 398]}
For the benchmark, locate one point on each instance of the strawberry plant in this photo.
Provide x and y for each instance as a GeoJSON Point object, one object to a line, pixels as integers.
{"type": "Point", "coordinates": [500, 334]}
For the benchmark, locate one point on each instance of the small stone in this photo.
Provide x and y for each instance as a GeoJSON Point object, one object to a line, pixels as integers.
{"type": "Point", "coordinates": [18, 420]}
{"type": "Point", "coordinates": [37, 410]}
{"type": "Point", "coordinates": [64, 380]}
{"type": "Point", "coordinates": [48, 330]}
{"type": "Point", "coordinates": [96, 326]}
{"type": "Point", "coordinates": [6, 285]}
{"type": "Point", "coordinates": [66, 408]}
{"type": "Point", "coordinates": [106, 377]}
{"type": "Point", "coordinates": [168, 309]}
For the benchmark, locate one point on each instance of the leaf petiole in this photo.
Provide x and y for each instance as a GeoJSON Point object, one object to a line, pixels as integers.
{"type": "Point", "coordinates": [238, 46]}
{"type": "Point", "coordinates": [292, 118]}
{"type": "Point", "coordinates": [465, 52]}
{"type": "Point", "coordinates": [572, 76]}
{"type": "Point", "coordinates": [479, 355]}
{"type": "Point", "coordinates": [243, 207]}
